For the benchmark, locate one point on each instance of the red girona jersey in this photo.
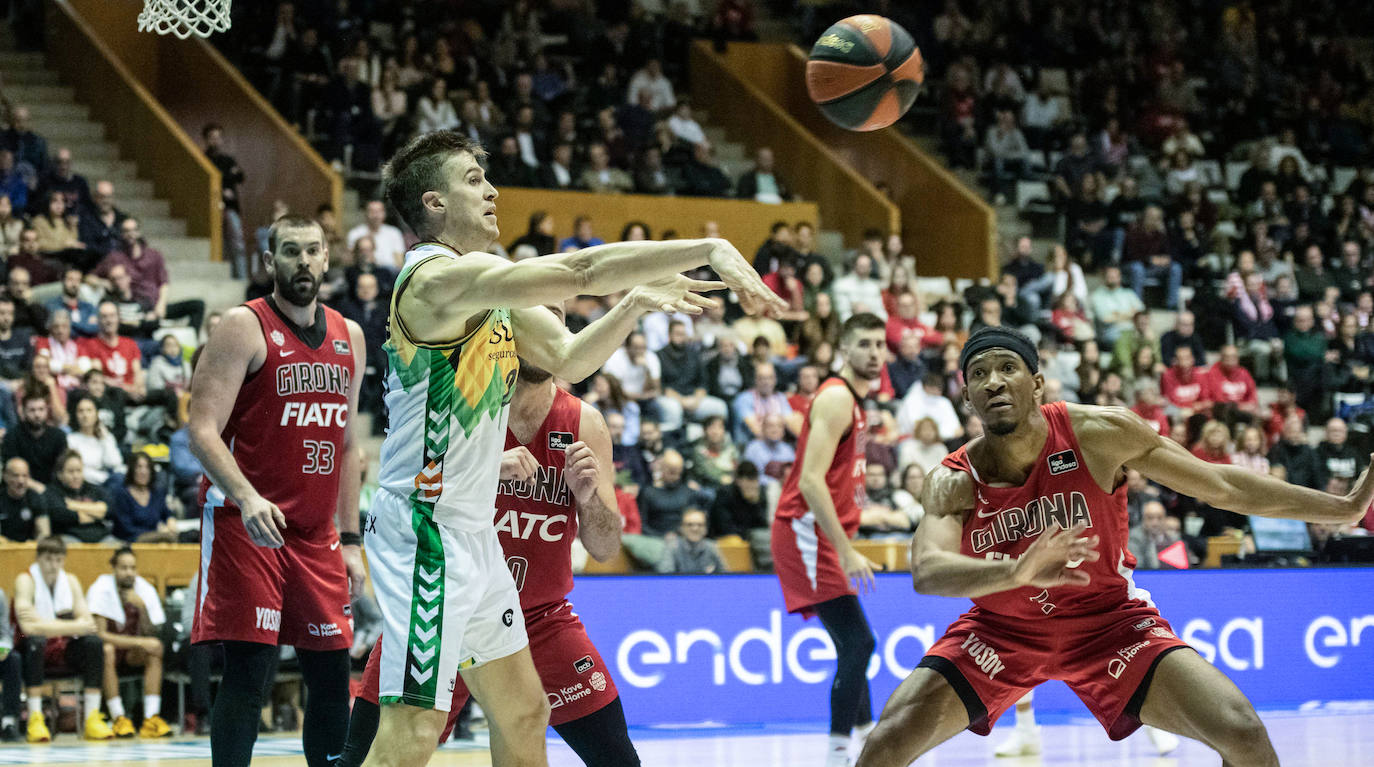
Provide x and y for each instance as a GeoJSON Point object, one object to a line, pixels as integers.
{"type": "Point", "coordinates": [537, 521]}
{"type": "Point", "coordinates": [845, 477]}
{"type": "Point", "coordinates": [287, 428]}
{"type": "Point", "coordinates": [1060, 491]}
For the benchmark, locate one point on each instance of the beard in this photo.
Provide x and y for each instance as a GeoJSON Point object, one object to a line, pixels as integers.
{"type": "Point", "coordinates": [1000, 428]}
{"type": "Point", "coordinates": [125, 585]}
{"type": "Point", "coordinates": [531, 374]}
{"type": "Point", "coordinates": [294, 294]}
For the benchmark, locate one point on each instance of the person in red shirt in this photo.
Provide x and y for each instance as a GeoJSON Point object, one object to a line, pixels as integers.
{"type": "Point", "coordinates": [117, 355]}
{"type": "Point", "coordinates": [808, 380]}
{"type": "Point", "coordinates": [784, 282]}
{"type": "Point", "coordinates": [1231, 386]}
{"type": "Point", "coordinates": [1215, 444]}
{"type": "Point", "coordinates": [1285, 405]}
{"type": "Point", "coordinates": [1182, 384]}
{"type": "Point", "coordinates": [906, 320]}
{"type": "Point", "coordinates": [1150, 406]}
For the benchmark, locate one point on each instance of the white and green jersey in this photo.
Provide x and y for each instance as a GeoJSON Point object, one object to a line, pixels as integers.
{"type": "Point", "coordinates": [448, 405]}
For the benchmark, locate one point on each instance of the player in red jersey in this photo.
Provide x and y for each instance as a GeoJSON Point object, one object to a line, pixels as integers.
{"type": "Point", "coordinates": [1006, 523]}
{"type": "Point", "coordinates": [818, 512]}
{"type": "Point", "coordinates": [269, 421]}
{"type": "Point", "coordinates": [553, 489]}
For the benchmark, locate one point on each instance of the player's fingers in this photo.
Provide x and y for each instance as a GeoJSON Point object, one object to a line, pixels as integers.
{"type": "Point", "coordinates": [705, 286]}
{"type": "Point", "coordinates": [1075, 578]}
{"type": "Point", "coordinates": [278, 517]}
{"type": "Point", "coordinates": [697, 299]}
{"type": "Point", "coordinates": [687, 307]}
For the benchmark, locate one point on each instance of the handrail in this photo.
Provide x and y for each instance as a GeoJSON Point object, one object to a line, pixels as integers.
{"type": "Point", "coordinates": [144, 130]}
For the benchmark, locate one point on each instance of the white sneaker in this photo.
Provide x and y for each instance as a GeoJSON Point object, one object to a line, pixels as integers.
{"type": "Point", "coordinates": [1165, 742]}
{"type": "Point", "coordinates": [1021, 743]}
{"type": "Point", "coordinates": [837, 757]}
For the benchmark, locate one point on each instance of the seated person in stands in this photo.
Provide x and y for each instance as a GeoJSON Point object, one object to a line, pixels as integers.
{"type": "Point", "coordinates": [691, 552]}
{"type": "Point", "coordinates": [740, 509]}
{"type": "Point", "coordinates": [11, 676]}
{"type": "Point", "coordinates": [23, 511]}
{"type": "Point", "coordinates": [139, 510]}
{"type": "Point", "coordinates": [128, 618]}
{"type": "Point", "coordinates": [77, 508]}
{"type": "Point", "coordinates": [57, 630]}
{"type": "Point", "coordinates": [878, 518]}
{"type": "Point", "coordinates": [770, 451]}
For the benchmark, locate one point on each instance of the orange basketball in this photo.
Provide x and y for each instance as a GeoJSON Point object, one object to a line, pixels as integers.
{"type": "Point", "coordinates": [864, 72]}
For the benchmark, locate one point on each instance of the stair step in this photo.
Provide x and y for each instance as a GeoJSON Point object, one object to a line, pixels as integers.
{"type": "Point", "coordinates": [184, 271]}
{"type": "Point", "coordinates": [93, 149]}
{"type": "Point", "coordinates": [21, 60]}
{"type": "Point", "coordinates": [157, 227]}
{"type": "Point", "coordinates": [15, 76]}
{"type": "Point", "coordinates": [830, 244]}
{"type": "Point", "coordinates": [143, 207]}
{"type": "Point", "coordinates": [132, 188]}
{"type": "Point", "coordinates": [24, 95]}
{"type": "Point", "coordinates": [61, 131]}
{"type": "Point", "coordinates": [105, 167]}
{"type": "Point", "coordinates": [57, 110]}
{"type": "Point", "coordinates": [178, 249]}
{"type": "Point", "coordinates": [218, 293]}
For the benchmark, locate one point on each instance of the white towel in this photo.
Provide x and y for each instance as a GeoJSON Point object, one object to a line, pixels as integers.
{"type": "Point", "coordinates": [48, 604]}
{"type": "Point", "coordinates": [103, 600]}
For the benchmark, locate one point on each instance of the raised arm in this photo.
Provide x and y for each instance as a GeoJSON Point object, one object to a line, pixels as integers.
{"type": "Point", "coordinates": [831, 416]}
{"type": "Point", "coordinates": [445, 292]}
{"type": "Point", "coordinates": [1136, 444]}
{"type": "Point", "coordinates": [938, 567]}
{"type": "Point", "coordinates": [590, 474]}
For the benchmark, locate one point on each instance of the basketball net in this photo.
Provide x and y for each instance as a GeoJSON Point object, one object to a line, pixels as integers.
{"type": "Point", "coordinates": [184, 18]}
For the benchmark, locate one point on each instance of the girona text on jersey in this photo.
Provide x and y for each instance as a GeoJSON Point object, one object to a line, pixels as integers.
{"type": "Point", "coordinates": [1011, 525]}
{"type": "Point", "coordinates": [312, 377]}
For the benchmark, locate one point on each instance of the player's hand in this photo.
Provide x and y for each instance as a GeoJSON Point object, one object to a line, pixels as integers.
{"type": "Point", "coordinates": [674, 294]}
{"type": "Point", "coordinates": [754, 296]}
{"type": "Point", "coordinates": [151, 646]}
{"type": "Point", "coordinates": [582, 471]}
{"type": "Point", "coordinates": [1362, 495]}
{"type": "Point", "coordinates": [1052, 558]}
{"type": "Point", "coordinates": [357, 572]}
{"type": "Point", "coordinates": [263, 521]}
{"type": "Point", "coordinates": [859, 569]}
{"type": "Point", "coordinates": [518, 464]}
{"type": "Point", "coordinates": [84, 626]}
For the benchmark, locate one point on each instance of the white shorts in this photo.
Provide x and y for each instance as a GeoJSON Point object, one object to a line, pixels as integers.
{"type": "Point", "coordinates": [447, 591]}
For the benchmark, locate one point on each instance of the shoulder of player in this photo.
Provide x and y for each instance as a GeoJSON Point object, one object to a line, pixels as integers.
{"type": "Point", "coordinates": [1107, 428]}
{"type": "Point", "coordinates": [592, 423]}
{"type": "Point", "coordinates": [242, 328]}
{"type": "Point", "coordinates": [947, 491]}
{"type": "Point", "coordinates": [833, 402]}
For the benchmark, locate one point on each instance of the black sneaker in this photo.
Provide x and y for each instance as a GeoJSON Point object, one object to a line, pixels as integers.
{"type": "Point", "coordinates": [9, 733]}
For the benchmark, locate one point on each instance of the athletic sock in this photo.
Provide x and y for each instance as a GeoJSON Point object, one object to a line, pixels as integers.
{"type": "Point", "coordinates": [9, 720]}
{"type": "Point", "coordinates": [838, 752]}
{"type": "Point", "coordinates": [35, 704]}
{"type": "Point", "coordinates": [91, 700]}
{"type": "Point", "coordinates": [152, 705]}
{"type": "Point", "coordinates": [1025, 720]}
{"type": "Point", "coordinates": [861, 732]}
{"type": "Point", "coordinates": [116, 706]}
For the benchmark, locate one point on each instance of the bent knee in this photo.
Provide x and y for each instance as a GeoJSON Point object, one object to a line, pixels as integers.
{"type": "Point", "coordinates": [1238, 724]}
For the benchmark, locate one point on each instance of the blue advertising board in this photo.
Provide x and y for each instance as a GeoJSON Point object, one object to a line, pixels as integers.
{"type": "Point", "coordinates": [721, 648]}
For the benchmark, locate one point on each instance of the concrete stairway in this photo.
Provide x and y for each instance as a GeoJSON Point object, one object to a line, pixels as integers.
{"type": "Point", "coordinates": [66, 123]}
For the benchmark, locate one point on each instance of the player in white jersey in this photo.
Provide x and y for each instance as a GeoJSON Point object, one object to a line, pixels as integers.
{"type": "Point", "coordinates": [459, 316]}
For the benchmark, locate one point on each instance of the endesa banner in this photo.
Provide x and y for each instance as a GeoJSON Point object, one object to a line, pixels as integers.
{"type": "Point", "coordinates": [721, 648]}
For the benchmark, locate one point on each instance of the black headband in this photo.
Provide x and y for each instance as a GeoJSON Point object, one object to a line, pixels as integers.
{"type": "Point", "coordinates": [999, 338]}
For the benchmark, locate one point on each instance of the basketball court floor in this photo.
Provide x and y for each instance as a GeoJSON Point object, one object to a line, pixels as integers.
{"type": "Point", "coordinates": [1335, 736]}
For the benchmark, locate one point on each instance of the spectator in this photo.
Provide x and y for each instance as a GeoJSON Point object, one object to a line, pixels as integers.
{"type": "Point", "coordinates": [906, 498]}
{"type": "Point", "coordinates": [102, 462]}
{"type": "Point", "coordinates": [600, 177]}
{"type": "Point", "coordinates": [1147, 255]}
{"type": "Point", "coordinates": [1151, 536]}
{"type": "Point", "coordinates": [1070, 322]}
{"type": "Point", "coordinates": [769, 451]}
{"type": "Point", "coordinates": [1149, 404]}
{"type": "Point", "coordinates": [762, 183]}
{"type": "Point", "coordinates": [652, 79]}
{"type": "Point", "coordinates": [367, 308]}
{"type": "Point", "coordinates": [40, 379]}
{"type": "Point", "coordinates": [1073, 166]}
{"type": "Point", "coordinates": [1183, 334]}
{"type": "Point", "coordinates": [529, 138]}
{"type": "Point", "coordinates": [35, 441]}
{"type": "Point", "coordinates": [539, 236]}
{"type": "Point", "coordinates": [652, 176]}
{"type": "Point", "coordinates": [582, 236]}
{"type": "Point", "coordinates": [10, 228]}
{"type": "Point", "coordinates": [558, 172]}
{"type": "Point", "coordinates": [148, 274]}
{"type": "Point", "coordinates": [1182, 385]}
{"type": "Point", "coordinates": [1301, 464]}
{"type": "Point", "coordinates": [925, 450]}
{"type": "Point", "coordinates": [389, 242]}
{"type": "Point", "coordinates": [169, 371]}
{"type": "Point", "coordinates": [136, 317]}
{"type": "Point", "coordinates": [683, 125]}
{"type": "Point", "coordinates": [116, 355]}
{"type": "Point", "coordinates": [607, 396]}
{"type": "Point", "coordinates": [661, 504]}
{"type": "Point", "coordinates": [684, 375]}
{"type": "Point", "coordinates": [702, 176]}
{"type": "Point", "coordinates": [1304, 351]}
{"type": "Point", "coordinates": [1006, 150]}
{"type": "Point", "coordinates": [1313, 277]}
{"type": "Point", "coordinates": [1231, 387]}
{"type": "Point", "coordinates": [112, 401]}
{"type": "Point", "coordinates": [23, 511]}
{"type": "Point", "coordinates": [12, 184]}
{"type": "Point", "coordinates": [57, 236]}
{"type": "Point", "coordinates": [50, 605]}
{"type": "Point", "coordinates": [1114, 306]}
{"type": "Point", "coordinates": [16, 345]}
{"type": "Point", "coordinates": [859, 291]}
{"type": "Point", "coordinates": [72, 187]}
{"type": "Point", "coordinates": [1132, 340]}
{"type": "Point", "coordinates": [929, 401]}
{"type": "Point", "coordinates": [877, 517]}
{"type": "Point", "coordinates": [762, 399]}
{"type": "Point", "coordinates": [907, 367]}
{"type": "Point", "coordinates": [690, 553]}
{"type": "Point", "coordinates": [507, 168]}
{"type": "Point", "coordinates": [77, 509]}
{"type": "Point", "coordinates": [714, 457]}
{"type": "Point", "coordinates": [1337, 456]}
{"type": "Point", "coordinates": [129, 617]}
{"type": "Point", "coordinates": [905, 321]}
{"type": "Point", "coordinates": [81, 315]}
{"type": "Point", "coordinates": [435, 110]}
{"type": "Point", "coordinates": [1249, 453]}
{"type": "Point", "coordinates": [1255, 325]}
{"type": "Point", "coordinates": [99, 223]}
{"type": "Point", "coordinates": [776, 249]}
{"type": "Point", "coordinates": [1041, 115]}
{"type": "Point", "coordinates": [640, 374]}
{"type": "Point", "coordinates": [139, 508]}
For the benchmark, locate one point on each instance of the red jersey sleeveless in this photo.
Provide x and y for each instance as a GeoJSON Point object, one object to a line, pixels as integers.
{"type": "Point", "coordinates": [287, 427]}
{"type": "Point", "coordinates": [537, 521]}
{"type": "Point", "coordinates": [845, 477]}
{"type": "Point", "coordinates": [1060, 491]}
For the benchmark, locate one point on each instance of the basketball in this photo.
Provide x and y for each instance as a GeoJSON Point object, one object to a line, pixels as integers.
{"type": "Point", "coordinates": [864, 72]}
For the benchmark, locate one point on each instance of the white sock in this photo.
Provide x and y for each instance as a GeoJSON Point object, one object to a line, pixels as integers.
{"type": "Point", "coordinates": [7, 721]}
{"type": "Point", "coordinates": [35, 704]}
{"type": "Point", "coordinates": [152, 705]}
{"type": "Point", "coordinates": [1025, 720]}
{"type": "Point", "coordinates": [92, 702]}
{"type": "Point", "coordinates": [839, 743]}
{"type": "Point", "coordinates": [862, 731]}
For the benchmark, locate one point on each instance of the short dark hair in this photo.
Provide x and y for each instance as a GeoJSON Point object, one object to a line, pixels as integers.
{"type": "Point", "coordinates": [210, 128]}
{"type": "Point", "coordinates": [324, 207]}
{"type": "Point", "coordinates": [121, 551]}
{"type": "Point", "coordinates": [418, 167]}
{"type": "Point", "coordinates": [290, 220]}
{"type": "Point", "coordinates": [873, 233]}
{"type": "Point", "coordinates": [860, 322]}
{"type": "Point", "coordinates": [779, 226]}
{"type": "Point", "coordinates": [746, 470]}
{"type": "Point", "coordinates": [53, 544]}
{"type": "Point", "coordinates": [67, 455]}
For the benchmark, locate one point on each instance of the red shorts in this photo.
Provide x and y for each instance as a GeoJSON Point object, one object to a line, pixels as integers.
{"type": "Point", "coordinates": [1107, 659]}
{"type": "Point", "coordinates": [575, 679]}
{"type": "Point", "coordinates": [807, 565]}
{"type": "Point", "coordinates": [294, 595]}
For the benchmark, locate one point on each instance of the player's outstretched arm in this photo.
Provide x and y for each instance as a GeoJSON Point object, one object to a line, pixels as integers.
{"type": "Point", "coordinates": [938, 567]}
{"type": "Point", "coordinates": [1134, 443]}
{"type": "Point", "coordinates": [590, 472]}
{"type": "Point", "coordinates": [443, 293]}
{"type": "Point", "coordinates": [542, 338]}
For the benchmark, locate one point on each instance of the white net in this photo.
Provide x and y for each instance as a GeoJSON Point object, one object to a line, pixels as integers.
{"type": "Point", "coordinates": [184, 18]}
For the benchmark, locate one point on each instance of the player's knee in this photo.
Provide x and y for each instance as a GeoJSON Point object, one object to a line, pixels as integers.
{"type": "Point", "coordinates": [1239, 727]}
{"type": "Point", "coordinates": [866, 645]}
{"type": "Point", "coordinates": [154, 650]}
